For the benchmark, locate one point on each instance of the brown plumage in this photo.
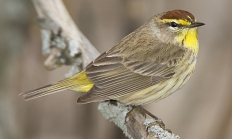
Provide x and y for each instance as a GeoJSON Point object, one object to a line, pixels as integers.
{"type": "Point", "coordinates": [147, 65]}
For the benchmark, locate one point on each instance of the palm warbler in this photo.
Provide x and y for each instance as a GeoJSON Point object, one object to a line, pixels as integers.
{"type": "Point", "coordinates": [147, 65]}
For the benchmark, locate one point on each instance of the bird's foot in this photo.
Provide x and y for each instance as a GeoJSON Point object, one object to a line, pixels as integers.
{"type": "Point", "coordinates": [157, 120]}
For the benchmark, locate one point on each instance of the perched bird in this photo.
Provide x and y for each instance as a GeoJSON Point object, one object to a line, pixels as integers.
{"type": "Point", "coordinates": [147, 65]}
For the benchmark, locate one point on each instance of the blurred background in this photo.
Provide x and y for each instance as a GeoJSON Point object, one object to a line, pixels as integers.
{"type": "Point", "coordinates": [202, 109]}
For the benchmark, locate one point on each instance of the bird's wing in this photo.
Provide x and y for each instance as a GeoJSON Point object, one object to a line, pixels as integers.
{"type": "Point", "coordinates": [115, 73]}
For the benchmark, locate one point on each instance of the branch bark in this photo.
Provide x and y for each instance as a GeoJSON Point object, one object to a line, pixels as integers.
{"type": "Point", "coordinates": [61, 39]}
{"type": "Point", "coordinates": [64, 44]}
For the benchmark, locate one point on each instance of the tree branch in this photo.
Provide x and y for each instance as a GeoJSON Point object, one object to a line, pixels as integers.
{"type": "Point", "coordinates": [59, 32]}
{"type": "Point", "coordinates": [66, 45]}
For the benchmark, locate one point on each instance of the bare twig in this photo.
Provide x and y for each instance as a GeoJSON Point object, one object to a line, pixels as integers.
{"type": "Point", "coordinates": [66, 45]}
{"type": "Point", "coordinates": [60, 32]}
{"type": "Point", "coordinates": [133, 122]}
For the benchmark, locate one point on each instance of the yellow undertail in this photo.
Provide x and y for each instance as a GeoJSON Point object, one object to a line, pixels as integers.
{"type": "Point", "coordinates": [78, 82]}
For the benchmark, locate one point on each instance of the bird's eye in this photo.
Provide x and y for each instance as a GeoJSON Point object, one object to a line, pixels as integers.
{"type": "Point", "coordinates": [173, 24]}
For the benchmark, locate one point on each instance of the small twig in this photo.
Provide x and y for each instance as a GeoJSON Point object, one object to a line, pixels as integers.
{"type": "Point", "coordinates": [133, 122]}
{"type": "Point", "coordinates": [59, 31]}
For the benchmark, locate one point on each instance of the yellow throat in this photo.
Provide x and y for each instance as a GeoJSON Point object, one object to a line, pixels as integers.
{"type": "Point", "coordinates": [189, 38]}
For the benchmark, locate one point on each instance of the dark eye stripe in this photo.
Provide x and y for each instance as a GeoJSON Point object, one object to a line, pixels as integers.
{"type": "Point", "coordinates": [174, 24]}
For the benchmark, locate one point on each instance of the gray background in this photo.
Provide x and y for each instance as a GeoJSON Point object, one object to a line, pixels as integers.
{"type": "Point", "coordinates": [202, 109]}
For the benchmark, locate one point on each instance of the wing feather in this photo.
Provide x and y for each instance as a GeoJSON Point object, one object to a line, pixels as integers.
{"type": "Point", "coordinates": [132, 65]}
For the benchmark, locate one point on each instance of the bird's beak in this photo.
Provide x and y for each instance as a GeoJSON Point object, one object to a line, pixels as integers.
{"type": "Point", "coordinates": [195, 24]}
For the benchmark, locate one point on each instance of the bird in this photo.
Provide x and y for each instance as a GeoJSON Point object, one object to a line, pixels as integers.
{"type": "Point", "coordinates": [146, 66]}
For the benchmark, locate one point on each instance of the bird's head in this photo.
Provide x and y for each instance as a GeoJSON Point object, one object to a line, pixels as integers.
{"type": "Point", "coordinates": [178, 27]}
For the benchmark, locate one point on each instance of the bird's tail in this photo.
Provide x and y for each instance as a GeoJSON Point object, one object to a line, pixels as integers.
{"type": "Point", "coordinates": [78, 82]}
